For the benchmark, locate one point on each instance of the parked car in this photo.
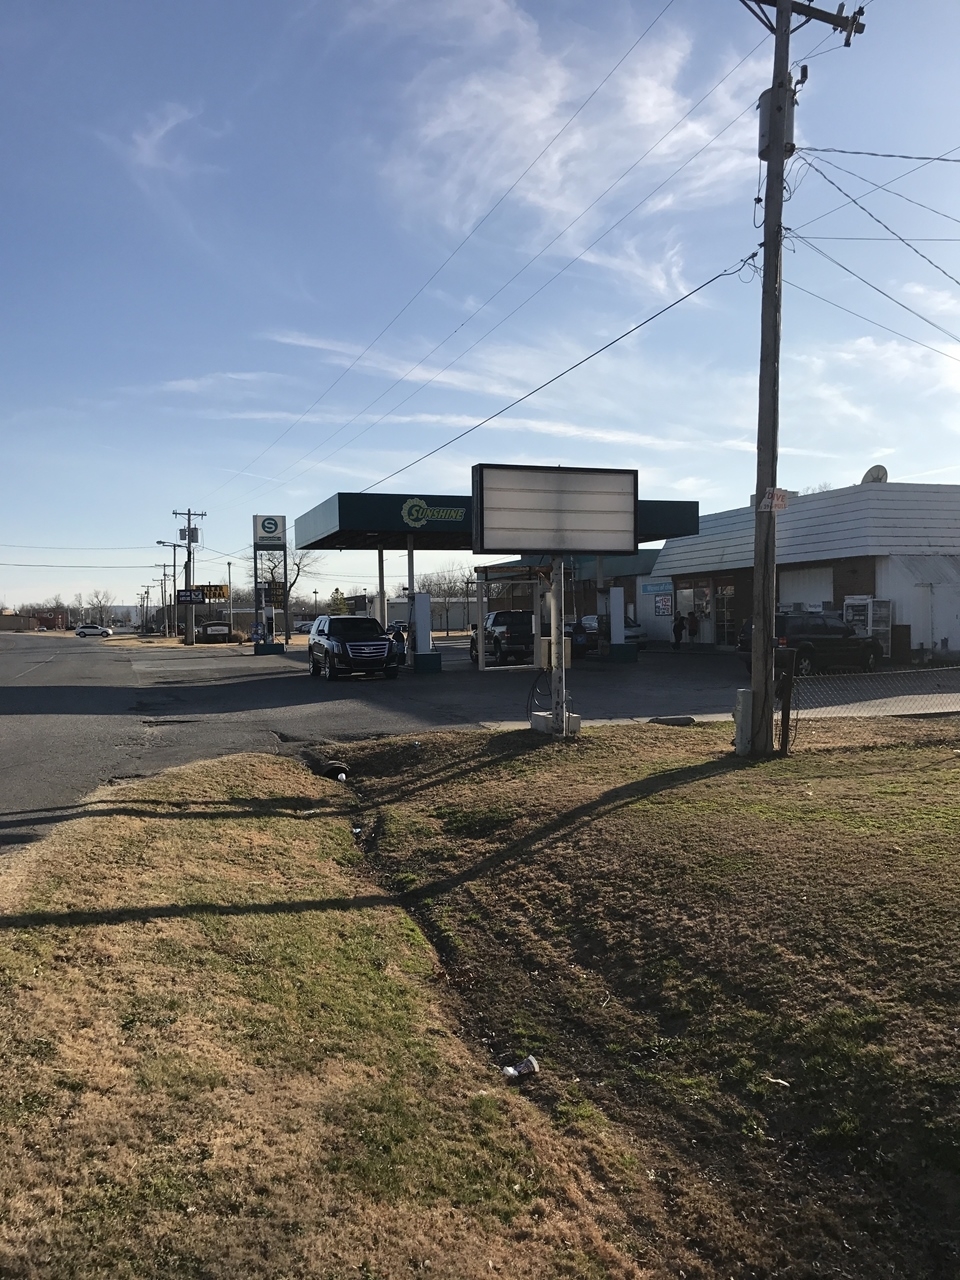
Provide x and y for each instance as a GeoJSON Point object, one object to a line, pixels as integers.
{"type": "Point", "coordinates": [822, 641]}
{"type": "Point", "coordinates": [349, 645]}
{"type": "Point", "coordinates": [303, 628]}
{"type": "Point", "coordinates": [394, 625]}
{"type": "Point", "coordinates": [633, 633]}
{"type": "Point", "coordinates": [91, 629]}
{"type": "Point", "coordinates": [507, 633]}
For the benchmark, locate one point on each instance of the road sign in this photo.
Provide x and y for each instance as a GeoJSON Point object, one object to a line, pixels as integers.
{"type": "Point", "coordinates": [269, 533]}
{"type": "Point", "coordinates": [190, 595]}
{"type": "Point", "coordinates": [774, 500]}
{"type": "Point", "coordinates": [212, 590]}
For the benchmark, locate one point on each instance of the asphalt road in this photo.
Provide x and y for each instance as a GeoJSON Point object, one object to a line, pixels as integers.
{"type": "Point", "coordinates": [76, 713]}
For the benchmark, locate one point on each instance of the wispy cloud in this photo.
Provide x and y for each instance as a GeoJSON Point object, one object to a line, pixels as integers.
{"type": "Point", "coordinates": [157, 147]}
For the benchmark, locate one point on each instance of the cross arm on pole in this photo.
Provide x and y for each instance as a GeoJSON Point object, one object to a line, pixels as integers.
{"type": "Point", "coordinates": [851, 26]}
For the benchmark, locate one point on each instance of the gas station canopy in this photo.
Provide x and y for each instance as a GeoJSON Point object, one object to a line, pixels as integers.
{"type": "Point", "coordinates": [432, 522]}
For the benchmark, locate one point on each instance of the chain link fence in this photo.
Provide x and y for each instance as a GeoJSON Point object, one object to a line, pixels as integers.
{"type": "Point", "coordinates": [865, 708]}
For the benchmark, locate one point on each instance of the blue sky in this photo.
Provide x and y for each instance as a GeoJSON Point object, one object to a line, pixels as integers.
{"type": "Point", "coordinates": [212, 208]}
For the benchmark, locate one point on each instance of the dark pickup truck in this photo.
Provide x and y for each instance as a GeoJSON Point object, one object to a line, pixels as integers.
{"type": "Point", "coordinates": [507, 633]}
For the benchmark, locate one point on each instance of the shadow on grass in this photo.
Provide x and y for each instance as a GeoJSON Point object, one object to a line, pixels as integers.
{"type": "Point", "coordinates": [531, 844]}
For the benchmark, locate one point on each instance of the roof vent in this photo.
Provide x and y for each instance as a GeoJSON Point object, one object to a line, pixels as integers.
{"type": "Point", "coordinates": [876, 475]}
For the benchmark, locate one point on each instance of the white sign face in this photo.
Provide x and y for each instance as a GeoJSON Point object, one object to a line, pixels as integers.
{"type": "Point", "coordinates": [551, 510]}
{"type": "Point", "coordinates": [774, 500]}
{"type": "Point", "coordinates": [269, 533]}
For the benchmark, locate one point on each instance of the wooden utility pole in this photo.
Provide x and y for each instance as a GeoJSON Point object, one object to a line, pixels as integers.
{"type": "Point", "coordinates": [189, 535]}
{"type": "Point", "coordinates": [778, 145]}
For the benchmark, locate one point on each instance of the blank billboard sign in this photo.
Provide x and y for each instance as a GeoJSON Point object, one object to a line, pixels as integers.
{"type": "Point", "coordinates": [551, 510]}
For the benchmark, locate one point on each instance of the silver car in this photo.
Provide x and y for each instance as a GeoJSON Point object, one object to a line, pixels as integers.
{"type": "Point", "coordinates": [91, 629]}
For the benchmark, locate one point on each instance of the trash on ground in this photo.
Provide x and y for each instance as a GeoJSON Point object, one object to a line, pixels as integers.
{"type": "Point", "coordinates": [336, 770]}
{"type": "Point", "coordinates": [528, 1067]}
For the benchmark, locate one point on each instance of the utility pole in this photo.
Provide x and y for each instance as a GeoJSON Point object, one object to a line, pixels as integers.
{"type": "Point", "coordinates": [230, 594]}
{"type": "Point", "coordinates": [174, 611]}
{"type": "Point", "coordinates": [189, 535]}
{"type": "Point", "coordinates": [776, 111]}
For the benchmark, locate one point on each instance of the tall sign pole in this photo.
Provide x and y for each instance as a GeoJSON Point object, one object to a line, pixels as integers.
{"type": "Point", "coordinates": [774, 107]}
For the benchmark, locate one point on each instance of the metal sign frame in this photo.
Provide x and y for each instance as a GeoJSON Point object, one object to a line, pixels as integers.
{"type": "Point", "coordinates": [574, 506]}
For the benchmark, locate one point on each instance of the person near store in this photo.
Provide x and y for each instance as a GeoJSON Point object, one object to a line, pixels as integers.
{"type": "Point", "coordinates": [693, 626]}
{"type": "Point", "coordinates": [679, 626]}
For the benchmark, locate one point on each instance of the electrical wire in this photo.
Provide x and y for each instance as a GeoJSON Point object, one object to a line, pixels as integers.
{"type": "Point", "coordinates": [16, 564]}
{"type": "Point", "coordinates": [875, 287]}
{"type": "Point", "coordinates": [896, 332]}
{"type": "Point", "coordinates": [750, 106]}
{"type": "Point", "coordinates": [889, 239]}
{"type": "Point", "coordinates": [879, 155]}
{"type": "Point", "coordinates": [65, 546]}
{"type": "Point", "coordinates": [510, 314]}
{"type": "Point", "coordinates": [563, 373]}
{"type": "Point", "coordinates": [879, 221]}
{"type": "Point", "coordinates": [453, 253]}
{"type": "Point", "coordinates": [880, 186]}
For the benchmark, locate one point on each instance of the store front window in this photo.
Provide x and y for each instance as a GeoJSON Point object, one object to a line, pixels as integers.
{"type": "Point", "coordinates": [694, 596]}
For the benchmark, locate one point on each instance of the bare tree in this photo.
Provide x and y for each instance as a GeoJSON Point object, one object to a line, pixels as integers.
{"type": "Point", "coordinates": [299, 563]}
{"type": "Point", "coordinates": [444, 585]}
{"type": "Point", "coordinates": [100, 602]}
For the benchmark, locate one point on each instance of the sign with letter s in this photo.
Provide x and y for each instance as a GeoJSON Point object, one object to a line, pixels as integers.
{"type": "Point", "coordinates": [269, 533]}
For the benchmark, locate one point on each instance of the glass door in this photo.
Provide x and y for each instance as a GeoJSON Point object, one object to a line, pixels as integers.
{"type": "Point", "coordinates": [726, 623]}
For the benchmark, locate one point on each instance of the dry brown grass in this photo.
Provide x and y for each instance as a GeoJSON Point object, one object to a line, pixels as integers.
{"type": "Point", "coordinates": [742, 979]}
{"type": "Point", "coordinates": [223, 1054]}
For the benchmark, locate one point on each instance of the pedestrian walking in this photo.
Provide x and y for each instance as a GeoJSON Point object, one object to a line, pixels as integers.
{"type": "Point", "coordinates": [400, 644]}
{"type": "Point", "coordinates": [693, 627]}
{"type": "Point", "coordinates": [679, 626]}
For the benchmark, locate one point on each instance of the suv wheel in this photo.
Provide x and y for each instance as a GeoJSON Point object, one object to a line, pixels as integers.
{"type": "Point", "coordinates": [329, 670]}
{"type": "Point", "coordinates": [312, 666]}
{"type": "Point", "coordinates": [806, 663]}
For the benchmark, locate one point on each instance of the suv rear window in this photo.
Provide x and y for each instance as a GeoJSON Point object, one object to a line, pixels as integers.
{"type": "Point", "coordinates": [355, 628]}
{"type": "Point", "coordinates": [515, 616]}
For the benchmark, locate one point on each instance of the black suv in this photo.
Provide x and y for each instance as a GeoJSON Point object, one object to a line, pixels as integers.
{"type": "Point", "coordinates": [822, 640]}
{"type": "Point", "coordinates": [507, 633]}
{"type": "Point", "coordinates": [349, 645]}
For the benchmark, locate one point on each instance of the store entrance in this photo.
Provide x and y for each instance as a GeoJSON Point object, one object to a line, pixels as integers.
{"type": "Point", "coordinates": [725, 621]}
{"type": "Point", "coordinates": [694, 597]}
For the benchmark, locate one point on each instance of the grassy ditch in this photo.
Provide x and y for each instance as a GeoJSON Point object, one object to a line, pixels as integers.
{"type": "Point", "coordinates": [223, 1054]}
{"type": "Point", "coordinates": [742, 980]}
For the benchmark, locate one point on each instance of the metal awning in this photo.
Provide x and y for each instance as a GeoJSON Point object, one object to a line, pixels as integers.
{"type": "Point", "coordinates": [442, 522]}
{"type": "Point", "coordinates": [392, 521]}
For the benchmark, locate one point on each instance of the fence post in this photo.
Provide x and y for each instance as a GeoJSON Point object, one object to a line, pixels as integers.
{"type": "Point", "coordinates": [786, 697]}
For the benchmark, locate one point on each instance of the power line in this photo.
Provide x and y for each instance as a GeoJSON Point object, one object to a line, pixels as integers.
{"type": "Point", "coordinates": [453, 253]}
{"type": "Point", "coordinates": [65, 546]}
{"type": "Point", "coordinates": [880, 155]}
{"type": "Point", "coordinates": [896, 332]}
{"type": "Point", "coordinates": [889, 239]}
{"type": "Point", "coordinates": [879, 186]}
{"type": "Point", "coordinates": [563, 373]}
{"type": "Point", "coordinates": [879, 221]}
{"type": "Point", "coordinates": [528, 264]}
{"type": "Point", "coordinates": [16, 564]}
{"type": "Point", "coordinates": [509, 315]}
{"type": "Point", "coordinates": [875, 287]}
{"type": "Point", "coordinates": [899, 194]}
